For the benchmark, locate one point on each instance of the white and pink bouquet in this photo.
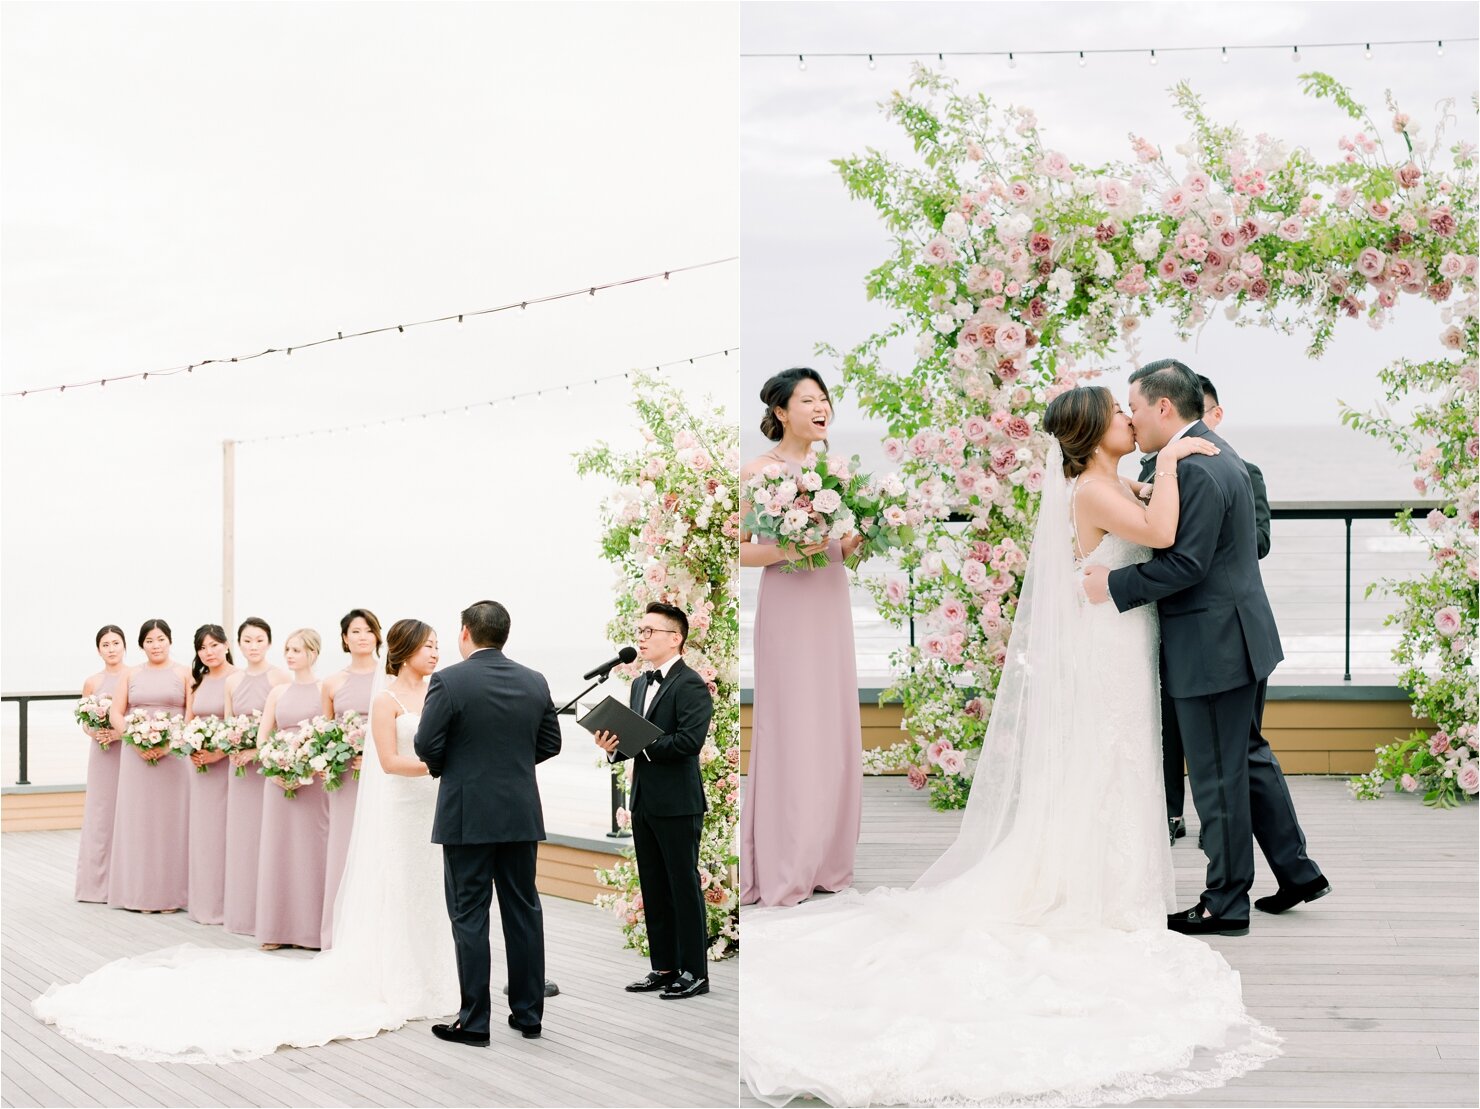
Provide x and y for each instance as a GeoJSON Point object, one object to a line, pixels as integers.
{"type": "Point", "coordinates": [337, 743]}
{"type": "Point", "coordinates": [241, 735]}
{"type": "Point", "coordinates": [286, 756]}
{"type": "Point", "coordinates": [151, 731]}
{"type": "Point", "coordinates": [202, 733]}
{"type": "Point", "coordinates": [92, 712]}
{"type": "Point", "coordinates": [885, 518]}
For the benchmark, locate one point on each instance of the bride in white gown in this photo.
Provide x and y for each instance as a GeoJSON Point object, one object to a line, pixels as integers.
{"type": "Point", "coordinates": [1031, 965]}
{"type": "Point", "coordinates": [392, 959]}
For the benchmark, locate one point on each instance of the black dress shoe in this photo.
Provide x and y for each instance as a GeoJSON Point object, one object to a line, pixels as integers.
{"type": "Point", "coordinates": [551, 989]}
{"type": "Point", "coordinates": [1193, 923]}
{"type": "Point", "coordinates": [526, 1032]}
{"type": "Point", "coordinates": [1177, 827]}
{"type": "Point", "coordinates": [1287, 897]}
{"type": "Point", "coordinates": [453, 1033]}
{"type": "Point", "coordinates": [685, 985]}
{"type": "Point", "coordinates": [653, 981]}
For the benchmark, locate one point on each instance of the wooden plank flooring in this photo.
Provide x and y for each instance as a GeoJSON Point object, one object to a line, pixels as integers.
{"type": "Point", "coordinates": [1373, 988]}
{"type": "Point", "coordinates": [601, 1046]}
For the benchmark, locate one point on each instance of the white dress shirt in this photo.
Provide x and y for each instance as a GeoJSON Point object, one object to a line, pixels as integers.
{"type": "Point", "coordinates": [652, 690]}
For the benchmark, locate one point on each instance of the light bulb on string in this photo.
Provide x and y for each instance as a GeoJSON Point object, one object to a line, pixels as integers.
{"type": "Point", "coordinates": [1153, 57]}
{"type": "Point", "coordinates": [871, 63]}
{"type": "Point", "coordinates": [1011, 61]}
{"type": "Point", "coordinates": [1367, 53]}
{"type": "Point", "coordinates": [941, 60]}
{"type": "Point", "coordinates": [802, 63]}
{"type": "Point", "coordinates": [1081, 59]}
{"type": "Point", "coordinates": [1224, 57]}
{"type": "Point", "coordinates": [1441, 48]}
{"type": "Point", "coordinates": [1295, 54]}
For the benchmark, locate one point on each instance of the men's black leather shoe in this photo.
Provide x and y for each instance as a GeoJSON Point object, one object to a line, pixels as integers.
{"type": "Point", "coordinates": [527, 1033]}
{"type": "Point", "coordinates": [551, 989]}
{"type": "Point", "coordinates": [1176, 827]}
{"type": "Point", "coordinates": [1193, 923]}
{"type": "Point", "coordinates": [685, 985]}
{"type": "Point", "coordinates": [653, 981]}
{"type": "Point", "coordinates": [1287, 897]}
{"type": "Point", "coordinates": [453, 1034]}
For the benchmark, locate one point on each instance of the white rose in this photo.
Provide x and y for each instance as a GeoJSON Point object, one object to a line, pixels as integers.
{"type": "Point", "coordinates": [954, 225]}
{"type": "Point", "coordinates": [924, 346]}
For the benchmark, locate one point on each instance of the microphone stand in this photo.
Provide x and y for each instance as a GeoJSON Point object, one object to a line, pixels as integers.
{"type": "Point", "coordinates": [619, 795]}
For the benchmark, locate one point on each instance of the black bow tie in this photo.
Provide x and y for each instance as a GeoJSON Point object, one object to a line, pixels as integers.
{"type": "Point", "coordinates": [654, 677]}
{"type": "Point", "coordinates": [1145, 458]}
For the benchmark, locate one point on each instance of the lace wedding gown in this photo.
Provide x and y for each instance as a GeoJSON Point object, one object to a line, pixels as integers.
{"type": "Point", "coordinates": [392, 959]}
{"type": "Point", "coordinates": [1031, 965]}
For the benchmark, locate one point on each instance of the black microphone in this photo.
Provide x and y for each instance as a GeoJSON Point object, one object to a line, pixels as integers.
{"type": "Point", "coordinates": [625, 655]}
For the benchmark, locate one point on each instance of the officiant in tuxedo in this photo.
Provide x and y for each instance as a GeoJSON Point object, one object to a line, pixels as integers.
{"type": "Point", "coordinates": [486, 723]}
{"type": "Point", "coordinates": [1172, 755]}
{"type": "Point", "coordinates": [668, 806]}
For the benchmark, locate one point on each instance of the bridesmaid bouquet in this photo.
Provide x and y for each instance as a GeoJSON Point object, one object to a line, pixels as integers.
{"type": "Point", "coordinates": [336, 743]}
{"type": "Point", "coordinates": [241, 735]}
{"type": "Point", "coordinates": [204, 733]}
{"type": "Point", "coordinates": [885, 520]}
{"type": "Point", "coordinates": [92, 712]}
{"type": "Point", "coordinates": [286, 755]}
{"type": "Point", "coordinates": [802, 510]}
{"type": "Point", "coordinates": [151, 731]}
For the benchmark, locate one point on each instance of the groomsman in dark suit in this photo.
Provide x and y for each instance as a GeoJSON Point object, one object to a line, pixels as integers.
{"type": "Point", "coordinates": [668, 806]}
{"type": "Point", "coordinates": [1172, 755]}
{"type": "Point", "coordinates": [486, 722]}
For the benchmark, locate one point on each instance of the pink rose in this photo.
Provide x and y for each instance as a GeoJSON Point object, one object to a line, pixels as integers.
{"type": "Point", "coordinates": [1409, 175]}
{"type": "Point", "coordinates": [976, 429]}
{"type": "Point", "coordinates": [1174, 202]}
{"type": "Point", "coordinates": [1020, 193]}
{"type": "Point", "coordinates": [1442, 222]}
{"type": "Point", "coordinates": [895, 591]}
{"type": "Point", "coordinates": [1292, 230]}
{"type": "Point", "coordinates": [1438, 744]}
{"type": "Point", "coordinates": [974, 573]}
{"type": "Point", "coordinates": [1452, 337]}
{"type": "Point", "coordinates": [1004, 459]}
{"type": "Point", "coordinates": [1034, 481]}
{"type": "Point", "coordinates": [1019, 428]}
{"type": "Point", "coordinates": [953, 762]}
{"type": "Point", "coordinates": [1040, 243]}
{"type": "Point", "coordinates": [1408, 782]}
{"type": "Point", "coordinates": [936, 750]}
{"type": "Point", "coordinates": [953, 612]}
{"type": "Point", "coordinates": [917, 777]}
{"type": "Point", "coordinates": [939, 251]}
{"type": "Point", "coordinates": [1446, 621]}
{"type": "Point", "coordinates": [1453, 267]}
{"type": "Point", "coordinates": [975, 708]}
{"type": "Point", "coordinates": [893, 449]}
{"type": "Point", "coordinates": [1011, 338]}
{"type": "Point", "coordinates": [1379, 210]}
{"type": "Point", "coordinates": [1112, 192]}
{"type": "Point", "coordinates": [1468, 777]}
{"type": "Point", "coordinates": [1370, 262]}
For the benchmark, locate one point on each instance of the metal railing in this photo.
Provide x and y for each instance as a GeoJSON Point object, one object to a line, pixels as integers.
{"type": "Point", "coordinates": [23, 703]}
{"type": "Point", "coordinates": [1345, 511]}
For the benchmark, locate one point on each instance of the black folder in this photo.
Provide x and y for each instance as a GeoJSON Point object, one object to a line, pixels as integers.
{"type": "Point", "coordinates": [633, 732]}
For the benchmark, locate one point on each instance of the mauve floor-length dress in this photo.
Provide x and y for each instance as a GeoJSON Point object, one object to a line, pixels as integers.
{"type": "Point", "coordinates": [96, 841]}
{"type": "Point", "coordinates": [208, 816]}
{"type": "Point", "coordinates": [149, 868]}
{"type": "Point", "coordinates": [804, 793]}
{"type": "Point", "coordinates": [352, 696]}
{"type": "Point", "coordinates": [295, 836]}
{"type": "Point", "coordinates": [244, 818]}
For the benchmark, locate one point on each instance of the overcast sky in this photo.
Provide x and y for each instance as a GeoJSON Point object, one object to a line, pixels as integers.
{"type": "Point", "coordinates": [191, 180]}
{"type": "Point", "coordinates": [808, 246]}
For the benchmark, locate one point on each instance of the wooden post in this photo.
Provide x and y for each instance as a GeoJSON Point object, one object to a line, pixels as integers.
{"type": "Point", "coordinates": [228, 535]}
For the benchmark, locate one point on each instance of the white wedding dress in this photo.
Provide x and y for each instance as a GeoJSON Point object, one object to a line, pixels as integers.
{"type": "Point", "coordinates": [392, 959]}
{"type": "Point", "coordinates": [1031, 965]}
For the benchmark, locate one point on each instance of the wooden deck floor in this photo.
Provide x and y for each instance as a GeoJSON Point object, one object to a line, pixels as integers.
{"type": "Point", "coordinates": [1373, 988]}
{"type": "Point", "coordinates": [601, 1046]}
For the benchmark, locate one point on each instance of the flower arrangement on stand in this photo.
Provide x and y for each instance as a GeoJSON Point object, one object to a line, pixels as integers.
{"type": "Point", "coordinates": [1015, 269]}
{"type": "Point", "coordinates": [672, 528]}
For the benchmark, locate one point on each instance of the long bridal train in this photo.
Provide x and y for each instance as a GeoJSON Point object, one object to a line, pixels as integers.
{"type": "Point", "coordinates": [392, 959]}
{"type": "Point", "coordinates": [1031, 965]}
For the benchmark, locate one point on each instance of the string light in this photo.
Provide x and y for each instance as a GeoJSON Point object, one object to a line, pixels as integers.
{"type": "Point", "coordinates": [1223, 51]}
{"type": "Point", "coordinates": [1368, 52]}
{"type": "Point", "coordinates": [1224, 56]}
{"type": "Point", "coordinates": [871, 63]}
{"type": "Point", "coordinates": [588, 291]}
{"type": "Point", "coordinates": [468, 408]}
{"type": "Point", "coordinates": [1295, 54]}
{"type": "Point", "coordinates": [1081, 59]}
{"type": "Point", "coordinates": [1153, 57]}
{"type": "Point", "coordinates": [1011, 61]}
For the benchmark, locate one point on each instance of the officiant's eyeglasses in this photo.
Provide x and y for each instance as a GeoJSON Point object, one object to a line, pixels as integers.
{"type": "Point", "coordinates": [647, 633]}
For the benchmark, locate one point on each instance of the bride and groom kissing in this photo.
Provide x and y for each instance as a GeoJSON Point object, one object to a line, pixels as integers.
{"type": "Point", "coordinates": [1042, 957]}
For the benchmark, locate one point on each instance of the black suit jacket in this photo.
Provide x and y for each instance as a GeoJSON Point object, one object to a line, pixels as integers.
{"type": "Point", "coordinates": [1261, 498]}
{"type": "Point", "coordinates": [666, 780]}
{"type": "Point", "coordinates": [486, 722]}
{"type": "Point", "coordinates": [1217, 629]}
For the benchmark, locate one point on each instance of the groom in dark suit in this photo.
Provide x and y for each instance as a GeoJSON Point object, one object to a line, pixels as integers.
{"type": "Point", "coordinates": [486, 722]}
{"type": "Point", "coordinates": [1219, 646]}
{"type": "Point", "coordinates": [668, 806]}
{"type": "Point", "coordinates": [1172, 756]}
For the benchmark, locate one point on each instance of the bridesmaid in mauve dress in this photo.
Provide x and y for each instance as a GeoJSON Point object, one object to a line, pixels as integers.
{"type": "Point", "coordinates": [102, 773]}
{"type": "Point", "coordinates": [246, 693]}
{"type": "Point", "coordinates": [347, 691]}
{"type": "Point", "coordinates": [803, 800]}
{"type": "Point", "coordinates": [209, 783]}
{"type": "Point", "coordinates": [149, 869]}
{"type": "Point", "coordinates": [295, 830]}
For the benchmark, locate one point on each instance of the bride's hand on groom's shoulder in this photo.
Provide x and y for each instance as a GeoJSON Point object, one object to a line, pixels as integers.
{"type": "Point", "coordinates": [1188, 444]}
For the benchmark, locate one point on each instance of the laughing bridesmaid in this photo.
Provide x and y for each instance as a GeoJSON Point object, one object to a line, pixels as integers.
{"type": "Point", "coordinates": [102, 772]}
{"type": "Point", "coordinates": [246, 693]}
{"type": "Point", "coordinates": [149, 870]}
{"type": "Point", "coordinates": [295, 830]}
{"type": "Point", "coordinates": [209, 673]}
{"type": "Point", "coordinates": [344, 692]}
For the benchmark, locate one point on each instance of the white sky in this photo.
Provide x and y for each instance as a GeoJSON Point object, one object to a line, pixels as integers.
{"type": "Point", "coordinates": [183, 181]}
{"type": "Point", "coordinates": [808, 246]}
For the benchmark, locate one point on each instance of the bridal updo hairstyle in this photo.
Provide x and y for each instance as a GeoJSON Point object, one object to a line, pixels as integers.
{"type": "Point", "coordinates": [1079, 418]}
{"type": "Point", "coordinates": [405, 638]}
{"type": "Point", "coordinates": [776, 393]}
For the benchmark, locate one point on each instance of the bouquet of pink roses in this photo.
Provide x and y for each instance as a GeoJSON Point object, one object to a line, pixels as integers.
{"type": "Point", "coordinates": [241, 735]}
{"type": "Point", "coordinates": [151, 731]}
{"type": "Point", "coordinates": [883, 513]}
{"type": "Point", "coordinates": [336, 744]}
{"type": "Point", "coordinates": [203, 733]}
{"type": "Point", "coordinates": [286, 756]}
{"type": "Point", "coordinates": [92, 712]}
